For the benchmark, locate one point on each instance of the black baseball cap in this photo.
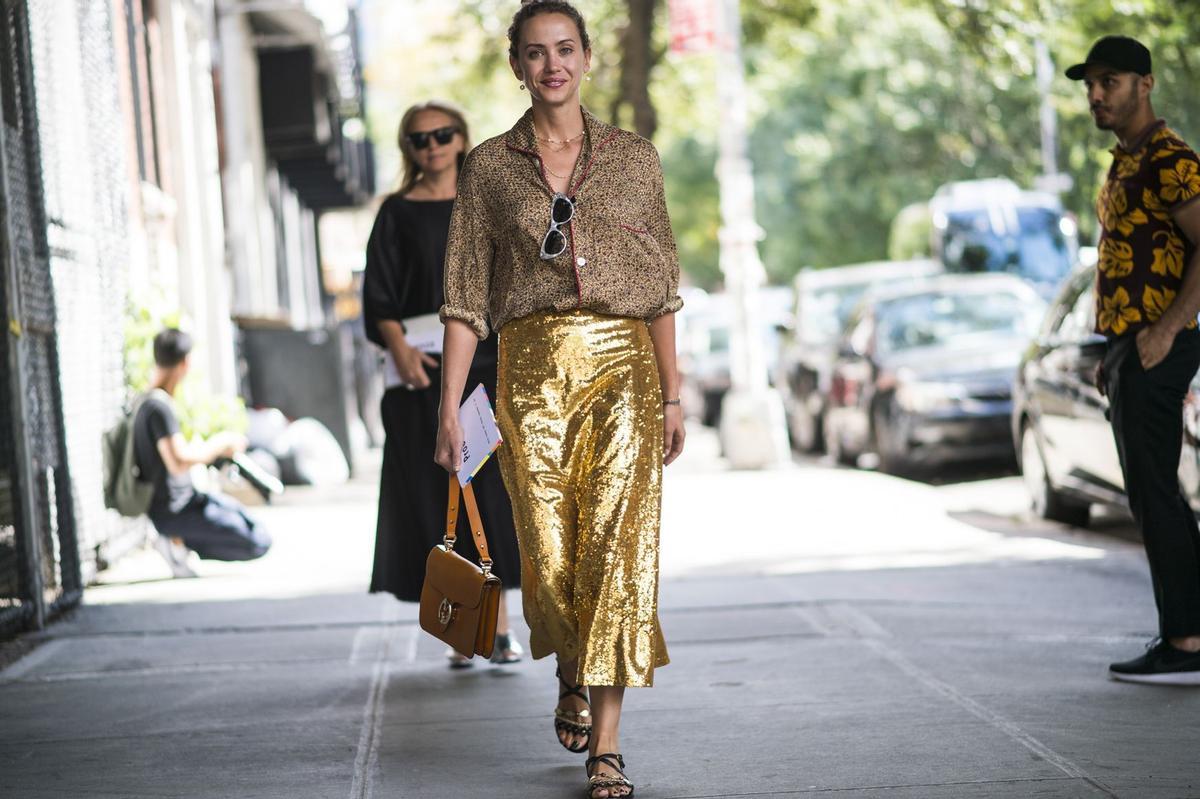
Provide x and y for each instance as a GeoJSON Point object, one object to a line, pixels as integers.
{"type": "Point", "coordinates": [1119, 52]}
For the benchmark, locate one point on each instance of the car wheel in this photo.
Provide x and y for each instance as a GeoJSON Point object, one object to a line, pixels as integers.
{"type": "Point", "coordinates": [711, 417]}
{"type": "Point", "coordinates": [1047, 502]}
{"type": "Point", "coordinates": [892, 456]}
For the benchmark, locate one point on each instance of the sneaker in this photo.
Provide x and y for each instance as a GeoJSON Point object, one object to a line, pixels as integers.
{"type": "Point", "coordinates": [175, 555]}
{"type": "Point", "coordinates": [1162, 664]}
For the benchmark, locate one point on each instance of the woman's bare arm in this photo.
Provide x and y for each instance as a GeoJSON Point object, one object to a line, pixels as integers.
{"type": "Point", "coordinates": [458, 349]}
{"type": "Point", "coordinates": [662, 334]}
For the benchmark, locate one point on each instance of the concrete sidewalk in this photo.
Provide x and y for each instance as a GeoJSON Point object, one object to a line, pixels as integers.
{"type": "Point", "coordinates": [952, 651]}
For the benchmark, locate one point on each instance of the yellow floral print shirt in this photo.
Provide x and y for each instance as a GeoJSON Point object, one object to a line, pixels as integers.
{"type": "Point", "coordinates": [1143, 251]}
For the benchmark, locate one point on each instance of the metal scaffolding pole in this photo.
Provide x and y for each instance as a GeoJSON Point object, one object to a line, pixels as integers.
{"type": "Point", "coordinates": [752, 429]}
{"type": "Point", "coordinates": [1051, 180]}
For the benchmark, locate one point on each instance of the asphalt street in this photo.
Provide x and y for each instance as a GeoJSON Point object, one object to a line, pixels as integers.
{"type": "Point", "coordinates": [833, 633]}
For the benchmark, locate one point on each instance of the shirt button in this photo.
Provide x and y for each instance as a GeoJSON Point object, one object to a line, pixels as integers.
{"type": "Point", "coordinates": [581, 261]}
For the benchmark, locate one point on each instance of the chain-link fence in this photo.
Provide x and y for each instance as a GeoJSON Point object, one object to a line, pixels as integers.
{"type": "Point", "coordinates": [39, 557]}
{"type": "Point", "coordinates": [83, 166]}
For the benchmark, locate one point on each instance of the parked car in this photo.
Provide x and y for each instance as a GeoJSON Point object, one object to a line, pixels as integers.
{"type": "Point", "coordinates": [823, 301]}
{"type": "Point", "coordinates": [1059, 423]}
{"type": "Point", "coordinates": [704, 343]}
{"type": "Point", "coordinates": [993, 226]}
{"type": "Point", "coordinates": [924, 374]}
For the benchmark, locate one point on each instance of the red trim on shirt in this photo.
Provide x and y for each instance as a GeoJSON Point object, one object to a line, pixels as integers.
{"type": "Point", "coordinates": [571, 191]}
{"type": "Point", "coordinates": [536, 157]}
{"type": "Point", "coordinates": [588, 167]}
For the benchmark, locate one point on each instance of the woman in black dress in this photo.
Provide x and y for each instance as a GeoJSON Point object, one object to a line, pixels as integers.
{"type": "Point", "coordinates": [403, 279]}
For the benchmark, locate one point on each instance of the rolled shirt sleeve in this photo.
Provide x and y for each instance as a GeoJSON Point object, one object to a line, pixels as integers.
{"type": "Point", "coordinates": [469, 252]}
{"type": "Point", "coordinates": [659, 223]}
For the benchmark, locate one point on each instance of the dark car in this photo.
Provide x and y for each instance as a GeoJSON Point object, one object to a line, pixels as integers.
{"type": "Point", "coordinates": [1066, 449]}
{"type": "Point", "coordinates": [924, 374]}
{"type": "Point", "coordinates": [824, 299]}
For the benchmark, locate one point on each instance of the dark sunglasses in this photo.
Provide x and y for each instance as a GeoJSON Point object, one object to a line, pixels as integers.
{"type": "Point", "coordinates": [420, 139]}
{"type": "Point", "coordinates": [562, 211]}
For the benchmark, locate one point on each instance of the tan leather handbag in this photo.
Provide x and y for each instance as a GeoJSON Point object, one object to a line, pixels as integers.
{"type": "Point", "coordinates": [460, 600]}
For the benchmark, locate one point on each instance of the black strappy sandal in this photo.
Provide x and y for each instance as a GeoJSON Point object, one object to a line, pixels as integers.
{"type": "Point", "coordinates": [572, 721]}
{"type": "Point", "coordinates": [598, 782]}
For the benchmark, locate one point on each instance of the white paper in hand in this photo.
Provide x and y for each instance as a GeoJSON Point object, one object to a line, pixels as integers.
{"type": "Point", "coordinates": [481, 437]}
{"type": "Point", "coordinates": [423, 333]}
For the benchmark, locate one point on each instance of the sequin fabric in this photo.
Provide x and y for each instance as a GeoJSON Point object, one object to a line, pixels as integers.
{"type": "Point", "coordinates": [580, 409]}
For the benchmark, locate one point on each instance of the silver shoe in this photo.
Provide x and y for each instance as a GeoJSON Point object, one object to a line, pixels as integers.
{"type": "Point", "coordinates": [506, 649]}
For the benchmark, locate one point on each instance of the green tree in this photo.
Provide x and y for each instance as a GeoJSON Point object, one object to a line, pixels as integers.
{"type": "Point", "coordinates": [867, 110]}
{"type": "Point", "coordinates": [859, 108]}
{"type": "Point", "coordinates": [991, 33]}
{"type": "Point", "coordinates": [201, 413]}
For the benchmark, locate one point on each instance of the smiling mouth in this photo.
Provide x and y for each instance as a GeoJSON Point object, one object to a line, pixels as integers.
{"type": "Point", "coordinates": [554, 83]}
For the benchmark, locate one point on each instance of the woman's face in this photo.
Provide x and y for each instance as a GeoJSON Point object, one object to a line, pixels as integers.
{"type": "Point", "coordinates": [551, 59]}
{"type": "Point", "coordinates": [435, 157]}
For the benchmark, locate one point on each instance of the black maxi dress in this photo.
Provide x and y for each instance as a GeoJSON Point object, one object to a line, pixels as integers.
{"type": "Point", "coordinates": [404, 269]}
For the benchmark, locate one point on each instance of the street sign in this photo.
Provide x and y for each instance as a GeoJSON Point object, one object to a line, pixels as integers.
{"type": "Point", "coordinates": [693, 25]}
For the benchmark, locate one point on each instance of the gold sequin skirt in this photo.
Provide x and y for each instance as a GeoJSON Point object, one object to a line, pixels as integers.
{"type": "Point", "coordinates": [580, 409]}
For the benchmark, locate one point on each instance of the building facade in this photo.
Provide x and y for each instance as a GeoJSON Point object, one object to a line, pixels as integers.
{"type": "Point", "coordinates": [146, 173]}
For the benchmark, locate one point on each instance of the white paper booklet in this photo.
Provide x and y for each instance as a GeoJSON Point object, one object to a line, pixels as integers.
{"type": "Point", "coordinates": [422, 332]}
{"type": "Point", "coordinates": [481, 437]}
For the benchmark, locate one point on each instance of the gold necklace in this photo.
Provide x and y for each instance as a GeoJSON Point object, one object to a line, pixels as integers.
{"type": "Point", "coordinates": [563, 142]}
{"type": "Point", "coordinates": [551, 171]}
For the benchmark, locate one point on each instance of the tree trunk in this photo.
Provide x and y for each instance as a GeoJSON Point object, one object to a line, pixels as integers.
{"type": "Point", "coordinates": [638, 59]}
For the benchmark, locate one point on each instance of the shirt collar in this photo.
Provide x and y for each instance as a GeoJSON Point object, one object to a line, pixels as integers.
{"type": "Point", "coordinates": [524, 137]}
{"type": "Point", "coordinates": [1142, 138]}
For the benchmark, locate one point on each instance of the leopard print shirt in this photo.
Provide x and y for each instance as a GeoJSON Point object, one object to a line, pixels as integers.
{"type": "Point", "coordinates": [620, 259]}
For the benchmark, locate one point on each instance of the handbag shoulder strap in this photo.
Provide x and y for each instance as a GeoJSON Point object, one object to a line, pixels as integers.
{"type": "Point", "coordinates": [485, 558]}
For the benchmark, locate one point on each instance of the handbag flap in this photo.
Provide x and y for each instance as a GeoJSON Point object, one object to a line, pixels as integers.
{"type": "Point", "coordinates": [455, 577]}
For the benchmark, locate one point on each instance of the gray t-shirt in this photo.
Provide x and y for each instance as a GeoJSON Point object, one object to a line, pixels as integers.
{"type": "Point", "coordinates": [155, 421]}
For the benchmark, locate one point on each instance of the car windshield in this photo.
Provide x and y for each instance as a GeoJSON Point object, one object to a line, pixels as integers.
{"type": "Point", "coordinates": [823, 313]}
{"type": "Point", "coordinates": [1035, 248]}
{"type": "Point", "coordinates": [954, 319]}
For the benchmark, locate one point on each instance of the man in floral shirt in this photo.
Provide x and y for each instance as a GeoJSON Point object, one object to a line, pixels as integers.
{"type": "Point", "coordinates": [1148, 295]}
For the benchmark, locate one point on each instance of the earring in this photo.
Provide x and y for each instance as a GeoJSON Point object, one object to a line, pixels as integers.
{"type": "Point", "coordinates": [588, 78]}
{"type": "Point", "coordinates": [522, 85]}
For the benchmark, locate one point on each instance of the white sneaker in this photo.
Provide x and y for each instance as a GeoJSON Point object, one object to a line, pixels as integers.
{"type": "Point", "coordinates": [175, 555]}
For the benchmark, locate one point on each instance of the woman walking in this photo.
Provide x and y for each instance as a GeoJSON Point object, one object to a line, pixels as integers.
{"type": "Point", "coordinates": [560, 240]}
{"type": "Point", "coordinates": [403, 280]}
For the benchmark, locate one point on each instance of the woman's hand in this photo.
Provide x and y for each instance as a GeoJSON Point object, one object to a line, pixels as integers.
{"type": "Point", "coordinates": [410, 364]}
{"type": "Point", "coordinates": [448, 452]}
{"type": "Point", "coordinates": [673, 433]}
